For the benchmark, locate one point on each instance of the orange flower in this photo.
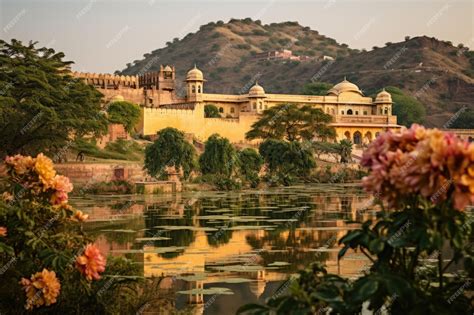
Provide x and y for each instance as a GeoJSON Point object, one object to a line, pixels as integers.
{"type": "Point", "coordinates": [21, 164]}
{"type": "Point", "coordinates": [45, 169]}
{"type": "Point", "coordinates": [80, 216]}
{"type": "Point", "coordinates": [3, 231]}
{"type": "Point", "coordinates": [63, 186]}
{"type": "Point", "coordinates": [91, 263]}
{"type": "Point", "coordinates": [41, 289]}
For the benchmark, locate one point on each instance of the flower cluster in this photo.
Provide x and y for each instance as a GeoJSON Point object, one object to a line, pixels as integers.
{"type": "Point", "coordinates": [39, 177]}
{"type": "Point", "coordinates": [41, 289]}
{"type": "Point", "coordinates": [417, 161]}
{"type": "Point", "coordinates": [91, 263]}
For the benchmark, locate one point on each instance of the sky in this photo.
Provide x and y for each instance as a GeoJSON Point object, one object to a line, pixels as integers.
{"type": "Point", "coordinates": [104, 35]}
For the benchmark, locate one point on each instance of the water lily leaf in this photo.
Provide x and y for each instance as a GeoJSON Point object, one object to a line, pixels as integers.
{"type": "Point", "coordinates": [209, 291]}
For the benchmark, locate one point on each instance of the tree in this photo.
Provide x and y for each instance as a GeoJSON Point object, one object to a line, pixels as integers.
{"type": "Point", "coordinates": [125, 113]}
{"type": "Point", "coordinates": [345, 150]}
{"type": "Point", "coordinates": [287, 160]}
{"type": "Point", "coordinates": [408, 109]}
{"type": "Point", "coordinates": [170, 150]}
{"type": "Point", "coordinates": [42, 106]}
{"type": "Point", "coordinates": [219, 156]}
{"type": "Point", "coordinates": [211, 111]}
{"type": "Point", "coordinates": [316, 88]}
{"type": "Point", "coordinates": [293, 123]}
{"type": "Point", "coordinates": [464, 121]}
{"type": "Point", "coordinates": [250, 163]}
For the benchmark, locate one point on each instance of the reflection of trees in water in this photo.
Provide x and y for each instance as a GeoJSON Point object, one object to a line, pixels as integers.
{"type": "Point", "coordinates": [157, 215]}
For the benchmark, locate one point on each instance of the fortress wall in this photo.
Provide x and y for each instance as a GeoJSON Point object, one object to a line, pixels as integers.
{"type": "Point", "coordinates": [193, 121]}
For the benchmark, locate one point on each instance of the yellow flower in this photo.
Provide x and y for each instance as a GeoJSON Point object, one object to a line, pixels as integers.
{"type": "Point", "coordinates": [80, 216]}
{"type": "Point", "coordinates": [41, 289]}
{"type": "Point", "coordinates": [45, 169]}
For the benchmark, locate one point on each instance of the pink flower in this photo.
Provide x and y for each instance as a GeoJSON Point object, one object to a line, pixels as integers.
{"type": "Point", "coordinates": [91, 263]}
{"type": "Point", "coordinates": [63, 186]}
{"type": "Point", "coordinates": [436, 165]}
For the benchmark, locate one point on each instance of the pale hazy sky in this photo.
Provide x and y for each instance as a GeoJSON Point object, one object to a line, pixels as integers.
{"type": "Point", "coordinates": [103, 35]}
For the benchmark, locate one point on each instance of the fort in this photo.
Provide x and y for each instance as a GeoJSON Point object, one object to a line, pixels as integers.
{"type": "Point", "coordinates": [355, 117]}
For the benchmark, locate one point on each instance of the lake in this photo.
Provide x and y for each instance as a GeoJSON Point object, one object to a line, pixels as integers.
{"type": "Point", "coordinates": [219, 250]}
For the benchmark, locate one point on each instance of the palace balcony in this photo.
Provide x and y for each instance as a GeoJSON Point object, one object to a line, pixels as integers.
{"type": "Point", "coordinates": [349, 120]}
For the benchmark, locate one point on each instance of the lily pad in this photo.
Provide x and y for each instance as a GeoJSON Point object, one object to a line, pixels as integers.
{"type": "Point", "coordinates": [279, 264]}
{"type": "Point", "coordinates": [209, 291]}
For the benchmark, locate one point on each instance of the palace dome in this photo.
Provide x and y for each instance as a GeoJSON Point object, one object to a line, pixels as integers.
{"type": "Point", "coordinates": [345, 86]}
{"type": "Point", "coordinates": [256, 91]}
{"type": "Point", "coordinates": [383, 97]}
{"type": "Point", "coordinates": [195, 75]}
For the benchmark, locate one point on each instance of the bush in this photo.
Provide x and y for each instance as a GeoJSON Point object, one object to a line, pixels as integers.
{"type": "Point", "coordinates": [52, 267]}
{"type": "Point", "coordinates": [110, 187]}
{"type": "Point", "coordinates": [219, 157]}
{"type": "Point", "coordinates": [287, 161]}
{"type": "Point", "coordinates": [124, 113]}
{"type": "Point", "coordinates": [250, 163]}
{"type": "Point", "coordinates": [170, 150]}
{"type": "Point", "coordinates": [211, 111]}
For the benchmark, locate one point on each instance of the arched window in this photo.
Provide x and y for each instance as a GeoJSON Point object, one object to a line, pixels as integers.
{"type": "Point", "coordinates": [232, 110]}
{"type": "Point", "coordinates": [221, 110]}
{"type": "Point", "coordinates": [199, 89]}
{"type": "Point", "coordinates": [254, 106]}
{"type": "Point", "coordinates": [193, 88]}
{"type": "Point", "coordinates": [365, 112]}
{"type": "Point", "coordinates": [357, 112]}
{"type": "Point", "coordinates": [349, 112]}
{"type": "Point", "coordinates": [347, 134]}
{"type": "Point", "coordinates": [381, 111]}
{"type": "Point", "coordinates": [357, 137]}
{"type": "Point", "coordinates": [386, 111]}
{"type": "Point", "coordinates": [342, 112]}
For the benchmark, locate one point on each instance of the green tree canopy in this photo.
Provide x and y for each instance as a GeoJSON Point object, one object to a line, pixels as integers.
{"type": "Point", "coordinates": [293, 123]}
{"type": "Point", "coordinates": [211, 111]}
{"type": "Point", "coordinates": [170, 149]}
{"type": "Point", "coordinates": [287, 159]}
{"type": "Point", "coordinates": [316, 88]}
{"type": "Point", "coordinates": [219, 156]}
{"type": "Point", "coordinates": [125, 113]}
{"type": "Point", "coordinates": [407, 109]}
{"type": "Point", "coordinates": [464, 121]}
{"type": "Point", "coordinates": [41, 105]}
{"type": "Point", "coordinates": [250, 163]}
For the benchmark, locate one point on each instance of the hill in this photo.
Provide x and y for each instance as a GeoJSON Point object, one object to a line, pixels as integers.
{"type": "Point", "coordinates": [437, 73]}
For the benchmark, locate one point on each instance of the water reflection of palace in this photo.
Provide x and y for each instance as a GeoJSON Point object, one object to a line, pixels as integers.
{"type": "Point", "coordinates": [256, 238]}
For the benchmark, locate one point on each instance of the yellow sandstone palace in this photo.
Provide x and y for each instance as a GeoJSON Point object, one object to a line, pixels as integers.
{"type": "Point", "coordinates": [356, 117]}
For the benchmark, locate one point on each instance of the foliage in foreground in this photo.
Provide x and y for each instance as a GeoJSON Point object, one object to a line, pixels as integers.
{"type": "Point", "coordinates": [41, 104]}
{"type": "Point", "coordinates": [170, 150]}
{"type": "Point", "coordinates": [49, 264]}
{"type": "Point", "coordinates": [427, 179]}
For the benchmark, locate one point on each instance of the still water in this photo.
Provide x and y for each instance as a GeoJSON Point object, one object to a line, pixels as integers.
{"type": "Point", "coordinates": [220, 250]}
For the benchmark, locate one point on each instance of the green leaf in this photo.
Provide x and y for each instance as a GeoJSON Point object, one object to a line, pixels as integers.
{"type": "Point", "coordinates": [376, 246]}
